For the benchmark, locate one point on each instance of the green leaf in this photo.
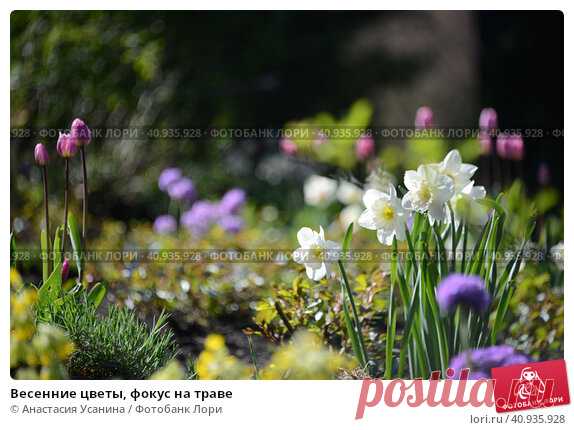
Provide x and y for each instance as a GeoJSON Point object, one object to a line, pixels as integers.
{"type": "Point", "coordinates": [76, 240]}
{"type": "Point", "coordinates": [97, 294]}
{"type": "Point", "coordinates": [49, 292]}
{"type": "Point", "coordinates": [45, 257]}
{"type": "Point", "coordinates": [58, 246]}
{"type": "Point", "coordinates": [348, 238]}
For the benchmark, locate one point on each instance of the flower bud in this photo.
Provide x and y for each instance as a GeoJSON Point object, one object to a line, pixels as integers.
{"type": "Point", "coordinates": [515, 147]}
{"type": "Point", "coordinates": [543, 174]}
{"type": "Point", "coordinates": [65, 269]}
{"type": "Point", "coordinates": [485, 142]}
{"type": "Point", "coordinates": [80, 133]}
{"type": "Point", "coordinates": [488, 120]}
{"type": "Point", "coordinates": [41, 154]}
{"type": "Point", "coordinates": [365, 147]}
{"type": "Point", "coordinates": [502, 146]}
{"type": "Point", "coordinates": [66, 146]}
{"type": "Point", "coordinates": [424, 117]}
{"type": "Point", "coordinates": [288, 147]}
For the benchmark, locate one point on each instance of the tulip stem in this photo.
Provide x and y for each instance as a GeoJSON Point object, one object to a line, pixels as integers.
{"type": "Point", "coordinates": [66, 192]}
{"type": "Point", "coordinates": [46, 212]}
{"type": "Point", "coordinates": [85, 194]}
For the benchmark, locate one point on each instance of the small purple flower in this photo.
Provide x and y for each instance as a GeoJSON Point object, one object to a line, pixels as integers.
{"type": "Point", "coordinates": [462, 290]}
{"type": "Point", "coordinates": [165, 224]}
{"type": "Point", "coordinates": [543, 174]}
{"type": "Point", "coordinates": [182, 190]}
{"type": "Point", "coordinates": [80, 133]}
{"type": "Point", "coordinates": [231, 224]}
{"type": "Point", "coordinates": [167, 177]}
{"type": "Point", "coordinates": [199, 219]}
{"type": "Point", "coordinates": [481, 361]}
{"type": "Point", "coordinates": [232, 201]}
{"type": "Point", "coordinates": [424, 117]}
{"type": "Point", "coordinates": [502, 147]}
{"type": "Point", "coordinates": [488, 120]}
{"type": "Point", "coordinates": [41, 154]}
{"type": "Point", "coordinates": [66, 146]}
{"type": "Point", "coordinates": [288, 147]}
{"type": "Point", "coordinates": [365, 147]}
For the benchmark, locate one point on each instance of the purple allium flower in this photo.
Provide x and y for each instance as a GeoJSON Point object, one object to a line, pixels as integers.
{"type": "Point", "coordinates": [165, 224]}
{"type": "Point", "coordinates": [232, 201]}
{"type": "Point", "coordinates": [287, 146]}
{"type": "Point", "coordinates": [488, 120]}
{"type": "Point", "coordinates": [543, 174]}
{"type": "Point", "coordinates": [41, 154]}
{"type": "Point", "coordinates": [66, 146]}
{"type": "Point", "coordinates": [65, 269]}
{"type": "Point", "coordinates": [462, 290]}
{"type": "Point", "coordinates": [481, 361]}
{"type": "Point", "coordinates": [182, 190]}
{"type": "Point", "coordinates": [424, 117]}
{"type": "Point", "coordinates": [167, 177]}
{"type": "Point", "coordinates": [365, 147]}
{"type": "Point", "coordinates": [231, 223]}
{"type": "Point", "coordinates": [200, 217]}
{"type": "Point", "coordinates": [80, 133]}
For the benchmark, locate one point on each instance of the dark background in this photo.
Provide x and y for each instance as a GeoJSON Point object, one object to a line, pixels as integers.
{"type": "Point", "coordinates": [248, 69]}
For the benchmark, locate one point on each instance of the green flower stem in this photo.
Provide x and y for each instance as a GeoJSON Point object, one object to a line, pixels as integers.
{"type": "Point", "coordinates": [357, 324]}
{"type": "Point", "coordinates": [46, 212]}
{"type": "Point", "coordinates": [66, 197]}
{"type": "Point", "coordinates": [85, 193]}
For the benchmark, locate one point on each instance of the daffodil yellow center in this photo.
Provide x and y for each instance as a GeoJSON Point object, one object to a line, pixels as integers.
{"type": "Point", "coordinates": [316, 253]}
{"type": "Point", "coordinates": [387, 212]}
{"type": "Point", "coordinates": [424, 193]}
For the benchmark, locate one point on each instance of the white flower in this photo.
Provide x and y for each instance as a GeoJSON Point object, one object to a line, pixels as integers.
{"type": "Point", "coordinates": [429, 190]}
{"type": "Point", "coordinates": [319, 191]}
{"type": "Point", "coordinates": [350, 214]}
{"type": "Point", "coordinates": [349, 193]}
{"type": "Point", "coordinates": [453, 167]}
{"type": "Point", "coordinates": [385, 214]}
{"type": "Point", "coordinates": [316, 253]}
{"type": "Point", "coordinates": [466, 207]}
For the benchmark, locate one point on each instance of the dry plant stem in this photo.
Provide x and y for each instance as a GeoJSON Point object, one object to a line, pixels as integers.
{"type": "Point", "coordinates": [85, 194]}
{"type": "Point", "coordinates": [46, 212]}
{"type": "Point", "coordinates": [66, 191]}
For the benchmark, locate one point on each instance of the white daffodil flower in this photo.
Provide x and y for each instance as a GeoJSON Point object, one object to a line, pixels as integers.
{"type": "Point", "coordinates": [350, 214]}
{"type": "Point", "coordinates": [429, 190]}
{"type": "Point", "coordinates": [453, 167]}
{"type": "Point", "coordinates": [384, 213]}
{"type": "Point", "coordinates": [466, 206]}
{"type": "Point", "coordinates": [349, 194]}
{"type": "Point", "coordinates": [319, 191]}
{"type": "Point", "coordinates": [317, 254]}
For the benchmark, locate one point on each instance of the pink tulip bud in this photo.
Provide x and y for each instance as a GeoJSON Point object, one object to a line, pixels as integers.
{"type": "Point", "coordinates": [543, 174]}
{"type": "Point", "coordinates": [80, 133]}
{"type": "Point", "coordinates": [41, 154]}
{"type": "Point", "coordinates": [288, 147]}
{"type": "Point", "coordinates": [65, 269]}
{"type": "Point", "coordinates": [365, 147]}
{"type": "Point", "coordinates": [488, 120]}
{"type": "Point", "coordinates": [502, 147]}
{"type": "Point", "coordinates": [485, 142]}
{"type": "Point", "coordinates": [424, 117]}
{"type": "Point", "coordinates": [515, 147]}
{"type": "Point", "coordinates": [66, 146]}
